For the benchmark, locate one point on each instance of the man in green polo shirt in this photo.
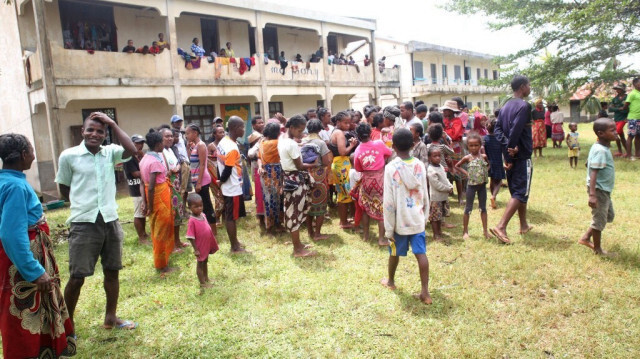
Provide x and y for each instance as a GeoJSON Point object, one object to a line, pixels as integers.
{"type": "Point", "coordinates": [632, 103]}
{"type": "Point", "coordinates": [86, 178]}
{"type": "Point", "coordinates": [619, 116]}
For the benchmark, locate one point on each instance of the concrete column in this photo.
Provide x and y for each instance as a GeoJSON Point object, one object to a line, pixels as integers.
{"type": "Point", "coordinates": [173, 41]}
{"type": "Point", "coordinates": [325, 66]}
{"type": "Point", "coordinates": [376, 72]}
{"type": "Point", "coordinates": [51, 97]}
{"type": "Point", "coordinates": [263, 68]}
{"type": "Point", "coordinates": [400, 89]}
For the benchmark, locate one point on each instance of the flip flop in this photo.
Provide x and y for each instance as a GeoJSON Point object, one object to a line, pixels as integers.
{"type": "Point", "coordinates": [526, 230]}
{"type": "Point", "coordinates": [126, 325]}
{"type": "Point", "coordinates": [503, 239]}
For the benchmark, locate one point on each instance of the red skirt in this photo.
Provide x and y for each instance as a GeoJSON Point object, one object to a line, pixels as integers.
{"type": "Point", "coordinates": [34, 325]}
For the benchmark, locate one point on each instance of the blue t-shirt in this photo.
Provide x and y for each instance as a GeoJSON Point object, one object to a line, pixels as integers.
{"type": "Point", "coordinates": [601, 159]}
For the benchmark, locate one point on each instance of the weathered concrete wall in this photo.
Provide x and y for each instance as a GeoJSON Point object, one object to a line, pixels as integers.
{"type": "Point", "coordinates": [187, 27]}
{"type": "Point", "coordinates": [141, 26]}
{"type": "Point", "coordinates": [298, 41]}
{"type": "Point", "coordinates": [431, 57]}
{"type": "Point", "coordinates": [314, 74]}
{"type": "Point", "coordinates": [15, 115]}
{"type": "Point", "coordinates": [238, 33]}
{"type": "Point", "coordinates": [296, 105]}
{"type": "Point", "coordinates": [207, 71]}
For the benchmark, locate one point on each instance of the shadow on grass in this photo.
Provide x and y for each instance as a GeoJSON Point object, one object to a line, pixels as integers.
{"type": "Point", "coordinates": [322, 262]}
{"type": "Point", "coordinates": [440, 308]}
{"type": "Point", "coordinates": [624, 257]}
{"type": "Point", "coordinates": [544, 241]}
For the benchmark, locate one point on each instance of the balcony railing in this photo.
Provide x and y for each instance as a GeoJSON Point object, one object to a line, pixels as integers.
{"type": "Point", "coordinates": [221, 69]}
{"type": "Point", "coordinates": [444, 85]}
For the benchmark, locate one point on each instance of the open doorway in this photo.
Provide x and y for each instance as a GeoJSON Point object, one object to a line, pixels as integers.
{"type": "Point", "coordinates": [270, 39]}
{"type": "Point", "coordinates": [210, 37]}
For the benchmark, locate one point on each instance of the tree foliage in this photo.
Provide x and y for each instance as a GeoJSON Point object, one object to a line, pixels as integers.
{"type": "Point", "coordinates": [576, 42]}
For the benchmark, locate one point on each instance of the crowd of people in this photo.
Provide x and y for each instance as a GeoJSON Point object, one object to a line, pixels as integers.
{"type": "Point", "coordinates": [396, 165]}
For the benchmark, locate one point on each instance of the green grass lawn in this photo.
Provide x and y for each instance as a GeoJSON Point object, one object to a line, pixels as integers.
{"type": "Point", "coordinates": [543, 296]}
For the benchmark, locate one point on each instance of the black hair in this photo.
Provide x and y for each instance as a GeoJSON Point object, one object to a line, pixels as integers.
{"type": "Point", "coordinates": [518, 81]}
{"type": "Point", "coordinates": [378, 108]}
{"type": "Point", "coordinates": [12, 145]}
{"type": "Point", "coordinates": [194, 39]}
{"type": "Point", "coordinates": [377, 120]}
{"type": "Point", "coordinates": [341, 116]}
{"type": "Point", "coordinates": [602, 113]}
{"type": "Point", "coordinates": [402, 140]}
{"type": "Point", "coordinates": [473, 135]}
{"type": "Point", "coordinates": [460, 102]}
{"type": "Point", "coordinates": [357, 113]}
{"type": "Point", "coordinates": [153, 138]}
{"type": "Point", "coordinates": [255, 119]}
{"type": "Point", "coordinates": [235, 122]}
{"type": "Point", "coordinates": [94, 120]}
{"type": "Point", "coordinates": [296, 121]}
{"type": "Point", "coordinates": [497, 111]}
{"type": "Point", "coordinates": [418, 103]}
{"type": "Point", "coordinates": [432, 149]}
{"type": "Point", "coordinates": [164, 126]}
{"type": "Point", "coordinates": [321, 112]}
{"type": "Point", "coordinates": [391, 112]}
{"type": "Point", "coordinates": [312, 110]}
{"type": "Point", "coordinates": [192, 126]}
{"type": "Point", "coordinates": [314, 126]}
{"type": "Point", "coordinates": [601, 125]}
{"type": "Point", "coordinates": [363, 130]}
{"type": "Point", "coordinates": [491, 126]}
{"type": "Point", "coordinates": [193, 197]}
{"type": "Point", "coordinates": [368, 110]}
{"type": "Point", "coordinates": [174, 131]}
{"type": "Point", "coordinates": [432, 109]}
{"type": "Point", "coordinates": [271, 130]}
{"type": "Point", "coordinates": [408, 105]}
{"type": "Point", "coordinates": [435, 117]}
{"type": "Point", "coordinates": [421, 108]}
{"type": "Point", "coordinates": [435, 131]}
{"type": "Point", "coordinates": [419, 128]}
{"type": "Point", "coordinates": [635, 80]}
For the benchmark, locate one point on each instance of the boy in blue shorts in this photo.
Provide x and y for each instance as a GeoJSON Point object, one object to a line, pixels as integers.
{"type": "Point", "coordinates": [406, 208]}
{"type": "Point", "coordinates": [600, 181]}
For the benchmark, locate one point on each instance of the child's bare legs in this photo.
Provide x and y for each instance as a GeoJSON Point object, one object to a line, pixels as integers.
{"type": "Point", "coordinates": [176, 238]}
{"type": "Point", "coordinates": [203, 275]}
{"type": "Point", "coordinates": [232, 232]}
{"type": "Point", "coordinates": [586, 239]}
{"type": "Point", "coordinates": [494, 186]}
{"type": "Point", "coordinates": [483, 217]}
{"type": "Point", "coordinates": [465, 226]}
{"type": "Point", "coordinates": [342, 213]}
{"type": "Point", "coordinates": [423, 264]}
{"type": "Point", "coordinates": [393, 265]}
{"type": "Point", "coordinates": [437, 230]}
{"type": "Point", "coordinates": [365, 226]}
{"type": "Point", "coordinates": [621, 142]}
{"type": "Point", "coordinates": [595, 246]}
{"type": "Point", "coordinates": [381, 240]}
{"type": "Point", "coordinates": [298, 248]}
{"type": "Point", "coordinates": [139, 224]}
{"type": "Point", "coordinates": [540, 149]}
{"type": "Point", "coordinates": [318, 236]}
{"type": "Point", "coordinates": [213, 228]}
{"type": "Point", "coordinates": [310, 230]}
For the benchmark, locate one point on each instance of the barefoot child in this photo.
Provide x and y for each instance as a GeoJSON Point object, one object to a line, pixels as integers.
{"type": "Point", "coordinates": [600, 181]}
{"type": "Point", "coordinates": [439, 138]}
{"type": "Point", "coordinates": [297, 183]}
{"type": "Point", "coordinates": [493, 150]}
{"type": "Point", "coordinates": [478, 172]}
{"type": "Point", "coordinates": [439, 190]}
{"type": "Point", "coordinates": [574, 146]}
{"type": "Point", "coordinates": [201, 236]}
{"type": "Point", "coordinates": [406, 204]}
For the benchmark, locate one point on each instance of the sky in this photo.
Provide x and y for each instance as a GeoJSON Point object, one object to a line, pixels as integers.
{"type": "Point", "coordinates": [426, 21]}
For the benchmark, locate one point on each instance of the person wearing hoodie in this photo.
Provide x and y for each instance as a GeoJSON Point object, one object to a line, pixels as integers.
{"type": "Point", "coordinates": [406, 207]}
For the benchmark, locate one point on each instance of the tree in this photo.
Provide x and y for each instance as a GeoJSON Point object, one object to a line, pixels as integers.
{"type": "Point", "coordinates": [577, 42]}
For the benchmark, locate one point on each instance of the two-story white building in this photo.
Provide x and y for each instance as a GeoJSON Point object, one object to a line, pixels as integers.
{"type": "Point", "coordinates": [63, 59]}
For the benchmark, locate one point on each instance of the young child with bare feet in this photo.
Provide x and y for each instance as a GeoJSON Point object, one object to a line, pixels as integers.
{"type": "Point", "coordinates": [600, 181]}
{"type": "Point", "coordinates": [478, 174]}
{"type": "Point", "coordinates": [439, 190]}
{"type": "Point", "coordinates": [439, 138]}
{"type": "Point", "coordinates": [297, 183]}
{"type": "Point", "coordinates": [493, 150]}
{"type": "Point", "coordinates": [202, 239]}
{"type": "Point", "coordinates": [573, 145]}
{"type": "Point", "coordinates": [406, 204]}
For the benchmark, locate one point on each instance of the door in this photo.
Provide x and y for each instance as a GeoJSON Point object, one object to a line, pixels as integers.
{"type": "Point", "coordinates": [575, 111]}
{"type": "Point", "coordinates": [210, 40]}
{"type": "Point", "coordinates": [270, 39]}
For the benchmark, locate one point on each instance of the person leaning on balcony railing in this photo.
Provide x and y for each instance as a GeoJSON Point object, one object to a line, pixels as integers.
{"type": "Point", "coordinates": [367, 61]}
{"type": "Point", "coordinates": [162, 43]}
{"type": "Point", "coordinates": [229, 50]}
{"type": "Point", "coordinates": [381, 64]}
{"type": "Point", "coordinates": [129, 49]}
{"type": "Point", "coordinates": [196, 49]}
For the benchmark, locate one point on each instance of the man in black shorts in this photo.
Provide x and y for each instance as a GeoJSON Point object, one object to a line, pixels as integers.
{"type": "Point", "coordinates": [513, 131]}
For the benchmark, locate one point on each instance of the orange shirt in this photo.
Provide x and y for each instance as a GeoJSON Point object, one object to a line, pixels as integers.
{"type": "Point", "coordinates": [269, 152]}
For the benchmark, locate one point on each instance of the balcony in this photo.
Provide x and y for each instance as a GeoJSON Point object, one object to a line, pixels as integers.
{"type": "Point", "coordinates": [220, 72]}
{"type": "Point", "coordinates": [78, 67]}
{"type": "Point", "coordinates": [447, 86]}
{"type": "Point", "coordinates": [293, 74]}
{"type": "Point", "coordinates": [390, 76]}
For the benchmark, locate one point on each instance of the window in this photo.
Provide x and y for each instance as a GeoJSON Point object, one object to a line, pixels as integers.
{"type": "Point", "coordinates": [486, 106]}
{"type": "Point", "coordinates": [258, 108]}
{"type": "Point", "coordinates": [457, 73]}
{"type": "Point", "coordinates": [478, 77]}
{"type": "Point", "coordinates": [418, 74]}
{"type": "Point", "coordinates": [467, 74]}
{"type": "Point", "coordinates": [275, 107]}
{"type": "Point", "coordinates": [202, 116]}
{"type": "Point", "coordinates": [111, 112]}
{"type": "Point", "coordinates": [479, 104]}
{"type": "Point", "coordinates": [210, 37]}
{"type": "Point", "coordinates": [90, 16]}
{"type": "Point", "coordinates": [444, 73]}
{"type": "Point", "coordinates": [495, 74]}
{"type": "Point", "coordinates": [495, 105]}
{"type": "Point", "coordinates": [469, 105]}
{"type": "Point", "coordinates": [434, 74]}
{"type": "Point", "coordinates": [270, 39]}
{"type": "Point", "coordinates": [320, 103]}
{"type": "Point", "coordinates": [486, 73]}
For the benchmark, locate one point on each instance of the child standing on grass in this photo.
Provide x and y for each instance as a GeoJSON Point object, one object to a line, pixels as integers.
{"type": "Point", "coordinates": [439, 190]}
{"type": "Point", "coordinates": [477, 173]}
{"type": "Point", "coordinates": [406, 204]}
{"type": "Point", "coordinates": [493, 150]}
{"type": "Point", "coordinates": [600, 181]}
{"type": "Point", "coordinates": [574, 146]}
{"type": "Point", "coordinates": [439, 138]}
{"type": "Point", "coordinates": [202, 239]}
{"type": "Point", "coordinates": [297, 183]}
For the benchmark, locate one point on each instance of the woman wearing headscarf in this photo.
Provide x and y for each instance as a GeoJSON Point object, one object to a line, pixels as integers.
{"type": "Point", "coordinates": [34, 320]}
{"type": "Point", "coordinates": [389, 114]}
{"type": "Point", "coordinates": [539, 130]}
